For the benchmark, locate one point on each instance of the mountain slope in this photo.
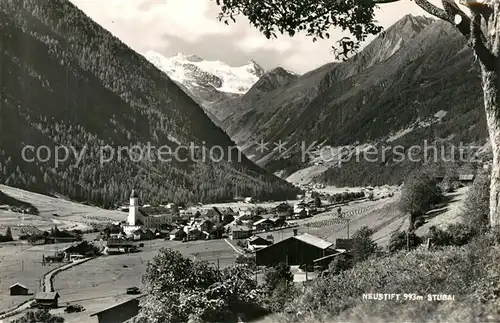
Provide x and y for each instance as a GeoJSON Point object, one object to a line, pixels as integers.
{"type": "Point", "coordinates": [392, 91]}
{"type": "Point", "coordinates": [67, 83]}
{"type": "Point", "coordinates": [208, 82]}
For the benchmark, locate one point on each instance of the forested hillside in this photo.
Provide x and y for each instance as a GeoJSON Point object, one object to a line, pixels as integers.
{"type": "Point", "coordinates": [416, 82]}
{"type": "Point", "coordinates": [65, 81]}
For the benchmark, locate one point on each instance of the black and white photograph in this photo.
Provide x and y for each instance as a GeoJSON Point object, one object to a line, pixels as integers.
{"type": "Point", "coordinates": [253, 161]}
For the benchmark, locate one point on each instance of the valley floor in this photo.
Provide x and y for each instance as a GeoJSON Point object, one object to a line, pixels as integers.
{"type": "Point", "coordinates": [102, 282]}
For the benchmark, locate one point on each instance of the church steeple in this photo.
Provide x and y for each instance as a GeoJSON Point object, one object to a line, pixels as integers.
{"type": "Point", "coordinates": [133, 211]}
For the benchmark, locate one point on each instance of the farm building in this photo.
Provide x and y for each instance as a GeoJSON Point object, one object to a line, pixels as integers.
{"type": "Point", "coordinates": [177, 234]}
{"type": "Point", "coordinates": [214, 215]}
{"type": "Point", "coordinates": [195, 234]}
{"type": "Point", "coordinates": [18, 290]}
{"type": "Point", "coordinates": [47, 299]}
{"type": "Point", "coordinates": [241, 232]}
{"type": "Point", "coordinates": [264, 224]}
{"type": "Point", "coordinates": [284, 209]}
{"type": "Point", "coordinates": [278, 222]}
{"type": "Point", "coordinates": [295, 250]}
{"type": "Point", "coordinates": [118, 313]}
{"type": "Point", "coordinates": [466, 179]}
{"type": "Point", "coordinates": [256, 242]}
{"type": "Point", "coordinates": [247, 218]}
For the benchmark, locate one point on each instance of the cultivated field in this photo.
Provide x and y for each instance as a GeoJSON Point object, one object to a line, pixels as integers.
{"type": "Point", "coordinates": [102, 282]}
{"type": "Point", "coordinates": [71, 215]}
{"type": "Point", "coordinates": [22, 263]}
{"type": "Point", "coordinates": [383, 216]}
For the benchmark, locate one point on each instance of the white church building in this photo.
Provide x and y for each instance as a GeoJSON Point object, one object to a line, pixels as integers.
{"type": "Point", "coordinates": [150, 217]}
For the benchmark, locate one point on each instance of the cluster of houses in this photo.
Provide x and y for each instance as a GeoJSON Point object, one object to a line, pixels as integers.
{"type": "Point", "coordinates": [248, 224]}
{"type": "Point", "coordinates": [169, 222]}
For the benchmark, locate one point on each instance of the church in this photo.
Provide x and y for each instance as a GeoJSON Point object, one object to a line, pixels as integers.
{"type": "Point", "coordinates": [149, 217]}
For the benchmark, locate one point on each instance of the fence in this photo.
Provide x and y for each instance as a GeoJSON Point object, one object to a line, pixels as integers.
{"type": "Point", "coordinates": [338, 221]}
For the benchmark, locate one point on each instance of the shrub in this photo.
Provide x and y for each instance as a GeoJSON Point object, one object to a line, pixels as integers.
{"type": "Point", "coordinates": [277, 275]}
{"type": "Point", "coordinates": [463, 272]}
{"type": "Point", "coordinates": [195, 289]}
{"type": "Point", "coordinates": [7, 237]}
{"type": "Point", "coordinates": [477, 203]}
{"type": "Point", "coordinates": [248, 261]}
{"type": "Point", "coordinates": [457, 234]}
{"type": "Point", "coordinates": [419, 193]}
{"type": "Point", "coordinates": [339, 264]}
{"type": "Point", "coordinates": [399, 241]}
{"type": "Point", "coordinates": [363, 247]}
{"type": "Point", "coordinates": [280, 296]}
{"type": "Point", "coordinates": [39, 316]}
{"type": "Point", "coordinates": [420, 221]}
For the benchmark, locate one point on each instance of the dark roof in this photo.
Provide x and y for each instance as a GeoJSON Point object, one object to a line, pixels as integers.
{"type": "Point", "coordinates": [213, 211]}
{"type": "Point", "coordinates": [46, 296]}
{"type": "Point", "coordinates": [257, 238]}
{"type": "Point", "coordinates": [306, 238]}
{"type": "Point", "coordinates": [241, 228]}
{"type": "Point", "coordinates": [134, 194]}
{"type": "Point", "coordinates": [263, 221]}
{"type": "Point", "coordinates": [116, 305]}
{"type": "Point", "coordinates": [155, 211]}
{"type": "Point", "coordinates": [314, 241]}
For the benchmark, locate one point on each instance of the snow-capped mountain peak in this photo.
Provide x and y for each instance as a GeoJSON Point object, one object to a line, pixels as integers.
{"type": "Point", "coordinates": [193, 71]}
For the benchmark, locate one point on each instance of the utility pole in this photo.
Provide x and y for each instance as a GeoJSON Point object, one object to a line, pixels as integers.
{"type": "Point", "coordinates": [408, 236]}
{"type": "Point", "coordinates": [348, 228]}
{"type": "Point", "coordinates": [218, 264]}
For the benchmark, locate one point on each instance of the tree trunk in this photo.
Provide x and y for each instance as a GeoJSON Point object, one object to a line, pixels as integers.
{"type": "Point", "coordinates": [491, 89]}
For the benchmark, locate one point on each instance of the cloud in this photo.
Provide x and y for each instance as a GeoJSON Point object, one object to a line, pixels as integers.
{"type": "Point", "coordinates": [191, 27]}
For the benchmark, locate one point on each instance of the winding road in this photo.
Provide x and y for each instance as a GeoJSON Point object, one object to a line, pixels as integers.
{"type": "Point", "coordinates": [47, 285]}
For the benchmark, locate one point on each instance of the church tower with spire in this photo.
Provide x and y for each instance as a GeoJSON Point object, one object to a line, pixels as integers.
{"type": "Point", "coordinates": [133, 210]}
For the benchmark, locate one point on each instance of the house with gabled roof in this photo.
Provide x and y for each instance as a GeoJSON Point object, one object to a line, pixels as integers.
{"type": "Point", "coordinates": [256, 243]}
{"type": "Point", "coordinates": [18, 290]}
{"type": "Point", "coordinates": [297, 250]}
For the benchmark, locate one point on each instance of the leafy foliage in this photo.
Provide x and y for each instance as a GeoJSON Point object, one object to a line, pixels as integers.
{"type": "Point", "coordinates": [195, 289]}
{"type": "Point", "coordinates": [399, 241]}
{"type": "Point", "coordinates": [457, 234]}
{"type": "Point", "coordinates": [420, 191]}
{"type": "Point", "coordinates": [315, 18]}
{"type": "Point", "coordinates": [7, 236]}
{"type": "Point", "coordinates": [279, 274]}
{"type": "Point", "coordinates": [339, 264]}
{"type": "Point", "coordinates": [363, 247]}
{"type": "Point", "coordinates": [477, 203]}
{"type": "Point", "coordinates": [464, 272]}
{"type": "Point", "coordinates": [38, 317]}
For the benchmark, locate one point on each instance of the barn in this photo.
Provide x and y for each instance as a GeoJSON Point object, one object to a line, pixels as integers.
{"type": "Point", "coordinates": [47, 299]}
{"type": "Point", "coordinates": [295, 251]}
{"type": "Point", "coordinates": [118, 313]}
{"type": "Point", "coordinates": [18, 289]}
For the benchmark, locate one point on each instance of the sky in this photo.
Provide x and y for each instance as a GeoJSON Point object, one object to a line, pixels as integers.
{"type": "Point", "coordinates": [191, 27]}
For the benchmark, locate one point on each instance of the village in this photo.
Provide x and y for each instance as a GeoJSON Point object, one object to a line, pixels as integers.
{"type": "Point", "coordinates": [87, 266]}
{"type": "Point", "coordinates": [64, 259]}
